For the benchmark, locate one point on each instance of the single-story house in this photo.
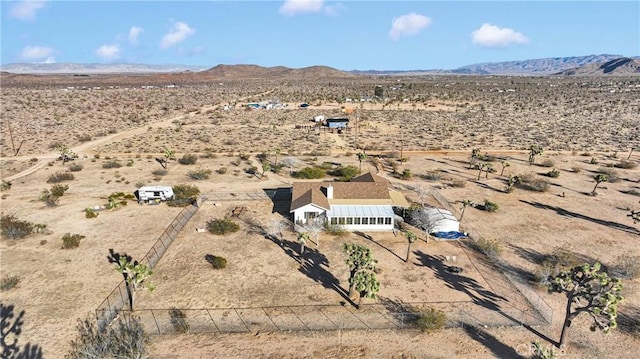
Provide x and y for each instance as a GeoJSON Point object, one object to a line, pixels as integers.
{"type": "Point", "coordinates": [363, 204]}
{"type": "Point", "coordinates": [337, 122]}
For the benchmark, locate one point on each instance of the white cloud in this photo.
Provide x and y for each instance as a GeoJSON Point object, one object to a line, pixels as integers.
{"type": "Point", "coordinates": [408, 25]}
{"type": "Point", "coordinates": [50, 60]}
{"type": "Point", "coordinates": [108, 52]}
{"type": "Point", "coordinates": [293, 7]}
{"type": "Point", "coordinates": [493, 36]}
{"type": "Point", "coordinates": [334, 10]}
{"type": "Point", "coordinates": [36, 52]}
{"type": "Point", "coordinates": [198, 50]}
{"type": "Point", "coordinates": [134, 32]}
{"type": "Point", "coordinates": [178, 33]}
{"type": "Point", "coordinates": [26, 9]}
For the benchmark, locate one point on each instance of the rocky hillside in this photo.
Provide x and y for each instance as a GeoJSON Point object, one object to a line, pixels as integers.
{"type": "Point", "coordinates": [545, 66]}
{"type": "Point", "coordinates": [253, 71]}
{"type": "Point", "coordinates": [623, 66]}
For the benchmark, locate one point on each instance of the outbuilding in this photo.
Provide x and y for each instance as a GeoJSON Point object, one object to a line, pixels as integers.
{"type": "Point", "coordinates": [154, 193]}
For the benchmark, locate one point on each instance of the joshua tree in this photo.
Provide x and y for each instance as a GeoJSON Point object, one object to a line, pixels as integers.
{"type": "Point", "coordinates": [366, 284]}
{"type": "Point", "coordinates": [601, 177]}
{"type": "Point", "coordinates": [135, 274]}
{"type": "Point", "coordinates": [488, 167]}
{"type": "Point", "coordinates": [588, 290]}
{"type": "Point", "coordinates": [303, 237]}
{"type": "Point", "coordinates": [359, 258]}
{"type": "Point", "coordinates": [65, 153]}
{"type": "Point", "coordinates": [465, 203]}
{"type": "Point", "coordinates": [534, 150]}
{"type": "Point", "coordinates": [474, 156]}
{"type": "Point", "coordinates": [504, 164]}
{"type": "Point", "coordinates": [168, 155]}
{"type": "Point", "coordinates": [265, 168]}
{"type": "Point", "coordinates": [513, 180]}
{"type": "Point", "coordinates": [361, 157]}
{"type": "Point", "coordinates": [629, 156]}
{"type": "Point", "coordinates": [481, 167]}
{"type": "Point", "coordinates": [276, 151]}
{"type": "Point", "coordinates": [411, 237]}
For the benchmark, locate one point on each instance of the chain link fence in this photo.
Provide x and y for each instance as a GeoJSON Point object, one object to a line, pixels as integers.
{"type": "Point", "coordinates": [117, 299]}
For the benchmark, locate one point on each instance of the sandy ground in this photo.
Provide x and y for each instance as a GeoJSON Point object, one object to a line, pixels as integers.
{"type": "Point", "coordinates": [59, 286]}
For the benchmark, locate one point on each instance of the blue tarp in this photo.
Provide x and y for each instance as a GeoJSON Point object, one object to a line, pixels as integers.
{"type": "Point", "coordinates": [449, 235]}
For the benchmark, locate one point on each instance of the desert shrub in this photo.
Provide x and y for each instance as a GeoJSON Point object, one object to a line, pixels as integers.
{"type": "Point", "coordinates": [58, 190]}
{"type": "Point", "coordinates": [335, 229]}
{"type": "Point", "coordinates": [539, 351]}
{"type": "Point", "coordinates": [626, 267]}
{"type": "Point", "coordinates": [130, 163]}
{"type": "Point", "coordinates": [458, 183]}
{"type": "Point", "coordinates": [530, 182]}
{"type": "Point", "coordinates": [75, 167]}
{"type": "Point", "coordinates": [576, 169]}
{"type": "Point", "coordinates": [554, 173]}
{"type": "Point", "coordinates": [406, 174]}
{"type": "Point", "coordinates": [244, 156]}
{"type": "Point", "coordinates": [160, 172]}
{"type": "Point", "coordinates": [489, 247]}
{"type": "Point", "coordinates": [48, 198]}
{"type": "Point", "coordinates": [178, 320]}
{"type": "Point", "coordinates": [345, 173]}
{"type": "Point", "coordinates": [188, 159]}
{"type": "Point", "coordinates": [611, 173]}
{"type": "Point", "coordinates": [184, 195]}
{"type": "Point", "coordinates": [85, 137]}
{"type": "Point", "coordinates": [593, 161]}
{"type": "Point", "coordinates": [112, 164]}
{"type": "Point", "coordinates": [215, 261]}
{"type": "Point", "coordinates": [548, 163]}
{"type": "Point", "coordinates": [90, 213]}
{"type": "Point", "coordinates": [221, 170]}
{"type": "Point", "coordinates": [490, 206]}
{"type": "Point", "coordinates": [552, 264]}
{"type": "Point", "coordinates": [13, 228]}
{"type": "Point", "coordinates": [5, 185]}
{"type": "Point", "coordinates": [222, 226]}
{"type": "Point", "coordinates": [431, 320]}
{"type": "Point", "coordinates": [124, 338]}
{"type": "Point", "coordinates": [309, 173]}
{"type": "Point", "coordinates": [251, 170]}
{"type": "Point", "coordinates": [199, 174]}
{"type": "Point", "coordinates": [9, 282]}
{"type": "Point", "coordinates": [433, 176]}
{"type": "Point", "coordinates": [626, 164]}
{"type": "Point", "coordinates": [71, 240]}
{"type": "Point", "coordinates": [60, 177]}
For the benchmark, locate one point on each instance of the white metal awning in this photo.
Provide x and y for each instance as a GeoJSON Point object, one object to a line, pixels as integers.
{"type": "Point", "coordinates": [360, 211]}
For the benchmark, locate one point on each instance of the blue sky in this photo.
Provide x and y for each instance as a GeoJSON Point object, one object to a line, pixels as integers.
{"type": "Point", "coordinates": [348, 35]}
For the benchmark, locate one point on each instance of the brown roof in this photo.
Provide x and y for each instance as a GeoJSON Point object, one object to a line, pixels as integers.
{"type": "Point", "coordinates": [365, 189]}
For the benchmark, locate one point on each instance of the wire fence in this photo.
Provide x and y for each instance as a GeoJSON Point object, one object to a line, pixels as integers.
{"type": "Point", "coordinates": [390, 315]}
{"type": "Point", "coordinates": [117, 299]}
{"type": "Point", "coordinates": [236, 196]}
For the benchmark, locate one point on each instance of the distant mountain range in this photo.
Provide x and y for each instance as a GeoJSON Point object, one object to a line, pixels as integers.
{"type": "Point", "coordinates": [591, 65]}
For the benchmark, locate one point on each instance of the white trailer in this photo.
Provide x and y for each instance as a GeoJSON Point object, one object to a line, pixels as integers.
{"type": "Point", "coordinates": [154, 193]}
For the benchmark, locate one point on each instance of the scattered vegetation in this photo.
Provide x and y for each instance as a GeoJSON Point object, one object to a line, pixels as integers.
{"type": "Point", "coordinates": [431, 320]}
{"type": "Point", "coordinates": [216, 261]}
{"type": "Point", "coordinates": [70, 241]}
{"type": "Point", "coordinates": [222, 226]}
{"type": "Point", "coordinates": [489, 206]}
{"type": "Point", "coordinates": [90, 213]}
{"type": "Point", "coordinates": [554, 173]}
{"type": "Point", "coordinates": [51, 197]}
{"type": "Point", "coordinates": [547, 163]}
{"type": "Point", "coordinates": [345, 173]}
{"type": "Point", "coordinates": [309, 173]}
{"type": "Point", "coordinates": [199, 174]}
{"type": "Point", "coordinates": [179, 320]}
{"type": "Point", "coordinates": [9, 282]}
{"type": "Point", "coordinates": [124, 338]}
{"type": "Point", "coordinates": [489, 247]}
{"type": "Point", "coordinates": [626, 164]}
{"type": "Point", "coordinates": [5, 185]}
{"type": "Point", "coordinates": [188, 159]}
{"type": "Point", "coordinates": [60, 177]}
{"type": "Point", "coordinates": [75, 167]}
{"type": "Point", "coordinates": [626, 267]}
{"type": "Point", "coordinates": [13, 228]}
{"type": "Point", "coordinates": [335, 229]}
{"type": "Point", "coordinates": [111, 164]}
{"type": "Point", "coordinates": [184, 195]}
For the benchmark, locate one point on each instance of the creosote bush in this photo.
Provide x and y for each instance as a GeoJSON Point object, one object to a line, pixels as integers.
{"type": "Point", "coordinates": [188, 159]}
{"type": "Point", "coordinates": [184, 195]}
{"type": "Point", "coordinates": [178, 320]}
{"type": "Point", "coordinates": [9, 282]}
{"type": "Point", "coordinates": [490, 206]}
{"type": "Point", "coordinates": [489, 247]}
{"type": "Point", "coordinates": [548, 163]}
{"type": "Point", "coordinates": [112, 164]}
{"type": "Point", "coordinates": [626, 164]}
{"type": "Point", "coordinates": [75, 167]}
{"type": "Point", "coordinates": [70, 241]}
{"type": "Point", "coordinates": [431, 320]}
{"type": "Point", "coordinates": [554, 173]}
{"type": "Point", "coordinates": [222, 226]}
{"type": "Point", "coordinates": [215, 261]}
{"type": "Point", "coordinates": [13, 228]}
{"type": "Point", "coordinates": [309, 173]}
{"type": "Point", "coordinates": [160, 172]}
{"type": "Point", "coordinates": [60, 177]}
{"type": "Point", "coordinates": [335, 229]}
{"type": "Point", "coordinates": [123, 338]}
{"type": "Point", "coordinates": [199, 174]}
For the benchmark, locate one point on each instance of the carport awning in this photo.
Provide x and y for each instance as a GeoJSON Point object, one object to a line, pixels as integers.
{"type": "Point", "coordinates": [360, 211]}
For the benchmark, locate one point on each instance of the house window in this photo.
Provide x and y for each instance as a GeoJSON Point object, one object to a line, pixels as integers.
{"type": "Point", "coordinates": [341, 220]}
{"type": "Point", "coordinates": [372, 220]}
{"type": "Point", "coordinates": [356, 220]}
{"type": "Point", "coordinates": [387, 220]}
{"type": "Point", "coordinates": [365, 220]}
{"type": "Point", "coordinates": [380, 220]}
{"type": "Point", "coordinates": [334, 221]}
{"type": "Point", "coordinates": [310, 215]}
{"type": "Point", "coordinates": [349, 220]}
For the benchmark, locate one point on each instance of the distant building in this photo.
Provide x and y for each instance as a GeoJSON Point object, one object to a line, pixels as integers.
{"type": "Point", "coordinates": [337, 122]}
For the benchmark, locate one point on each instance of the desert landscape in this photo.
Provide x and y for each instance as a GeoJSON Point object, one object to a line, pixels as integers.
{"type": "Point", "coordinates": [440, 140]}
